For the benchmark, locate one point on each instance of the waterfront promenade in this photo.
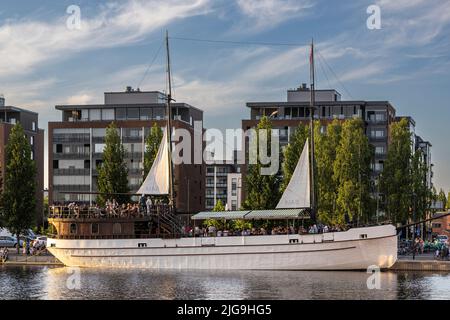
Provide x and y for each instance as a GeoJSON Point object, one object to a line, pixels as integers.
{"type": "Point", "coordinates": [41, 260]}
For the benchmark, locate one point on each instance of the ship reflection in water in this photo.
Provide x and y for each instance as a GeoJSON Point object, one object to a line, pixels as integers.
{"type": "Point", "coordinates": [54, 283]}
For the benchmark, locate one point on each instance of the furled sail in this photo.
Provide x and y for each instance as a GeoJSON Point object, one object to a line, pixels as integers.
{"type": "Point", "coordinates": [298, 191]}
{"type": "Point", "coordinates": [157, 180]}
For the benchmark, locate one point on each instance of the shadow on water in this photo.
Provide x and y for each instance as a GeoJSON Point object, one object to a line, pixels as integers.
{"type": "Point", "coordinates": [57, 283]}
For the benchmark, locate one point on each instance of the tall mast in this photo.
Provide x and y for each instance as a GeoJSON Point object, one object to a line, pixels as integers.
{"type": "Point", "coordinates": [311, 113]}
{"type": "Point", "coordinates": [169, 121]}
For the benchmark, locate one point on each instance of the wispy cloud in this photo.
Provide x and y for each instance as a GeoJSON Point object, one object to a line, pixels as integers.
{"type": "Point", "coordinates": [24, 44]}
{"type": "Point", "coordinates": [267, 14]}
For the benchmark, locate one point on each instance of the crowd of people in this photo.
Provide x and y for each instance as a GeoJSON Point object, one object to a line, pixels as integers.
{"type": "Point", "coordinates": [145, 206]}
{"type": "Point", "coordinates": [213, 231]}
{"type": "Point", "coordinates": [418, 246]}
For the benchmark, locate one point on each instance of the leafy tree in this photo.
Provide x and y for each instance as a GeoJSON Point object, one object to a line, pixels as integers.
{"type": "Point", "coordinates": [422, 194]}
{"type": "Point", "coordinates": [292, 152]}
{"type": "Point", "coordinates": [113, 173]}
{"type": "Point", "coordinates": [214, 222]}
{"type": "Point", "coordinates": [219, 206]}
{"type": "Point", "coordinates": [396, 179]}
{"type": "Point", "coordinates": [447, 206]}
{"type": "Point", "coordinates": [19, 194]}
{"type": "Point", "coordinates": [441, 197]}
{"type": "Point", "coordinates": [352, 173]}
{"type": "Point", "coordinates": [152, 143]}
{"type": "Point", "coordinates": [325, 152]}
{"type": "Point", "coordinates": [262, 190]}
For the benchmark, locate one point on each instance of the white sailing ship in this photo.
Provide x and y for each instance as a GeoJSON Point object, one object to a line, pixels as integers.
{"type": "Point", "coordinates": [354, 249]}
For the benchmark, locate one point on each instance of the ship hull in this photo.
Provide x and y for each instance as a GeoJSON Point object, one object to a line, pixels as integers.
{"type": "Point", "coordinates": [355, 249]}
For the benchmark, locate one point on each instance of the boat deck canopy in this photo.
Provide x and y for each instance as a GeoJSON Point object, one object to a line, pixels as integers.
{"type": "Point", "coordinates": [278, 214]}
{"type": "Point", "coordinates": [227, 215]}
{"type": "Point", "coordinates": [254, 214]}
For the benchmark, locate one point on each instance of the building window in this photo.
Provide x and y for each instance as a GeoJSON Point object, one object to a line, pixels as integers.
{"type": "Point", "coordinates": [121, 113]}
{"type": "Point", "coordinates": [59, 148]}
{"type": "Point", "coordinates": [99, 147]}
{"type": "Point", "coordinates": [55, 164]}
{"type": "Point", "coordinates": [146, 113]}
{"type": "Point", "coordinates": [73, 228]}
{"type": "Point", "coordinates": [380, 150]}
{"type": "Point", "coordinates": [377, 133]}
{"type": "Point", "coordinates": [133, 113]}
{"type": "Point", "coordinates": [33, 126]}
{"type": "Point", "coordinates": [108, 114]}
{"type": "Point", "coordinates": [12, 121]}
{"type": "Point", "coordinates": [84, 114]}
{"type": "Point", "coordinates": [95, 114]}
{"type": "Point", "coordinates": [94, 228]}
{"type": "Point", "coordinates": [32, 140]}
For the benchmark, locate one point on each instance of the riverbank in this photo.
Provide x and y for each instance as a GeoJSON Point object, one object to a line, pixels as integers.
{"type": "Point", "coordinates": [41, 260]}
{"type": "Point", "coordinates": [404, 263]}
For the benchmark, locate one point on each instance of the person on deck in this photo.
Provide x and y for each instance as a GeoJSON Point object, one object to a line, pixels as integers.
{"type": "Point", "coordinates": [149, 204]}
{"type": "Point", "coordinates": [142, 203]}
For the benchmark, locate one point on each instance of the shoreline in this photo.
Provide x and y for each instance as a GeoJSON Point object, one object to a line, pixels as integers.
{"type": "Point", "coordinates": [15, 259]}
{"type": "Point", "coordinates": [422, 263]}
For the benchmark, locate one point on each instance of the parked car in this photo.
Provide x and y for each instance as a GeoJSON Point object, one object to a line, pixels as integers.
{"type": "Point", "coordinates": [442, 239]}
{"type": "Point", "coordinates": [41, 240]}
{"type": "Point", "coordinates": [7, 241]}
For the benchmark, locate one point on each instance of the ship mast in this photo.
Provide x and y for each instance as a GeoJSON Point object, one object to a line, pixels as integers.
{"type": "Point", "coordinates": [311, 113]}
{"type": "Point", "coordinates": [169, 122]}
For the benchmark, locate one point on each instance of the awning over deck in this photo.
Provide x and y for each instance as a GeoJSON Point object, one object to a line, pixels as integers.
{"type": "Point", "coordinates": [227, 215]}
{"type": "Point", "coordinates": [278, 214]}
{"type": "Point", "coordinates": [254, 215]}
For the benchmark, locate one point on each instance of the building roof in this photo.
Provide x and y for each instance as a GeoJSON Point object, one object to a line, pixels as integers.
{"type": "Point", "coordinates": [136, 105]}
{"type": "Point", "coordinates": [278, 214]}
{"type": "Point", "coordinates": [16, 109]}
{"type": "Point", "coordinates": [318, 103]}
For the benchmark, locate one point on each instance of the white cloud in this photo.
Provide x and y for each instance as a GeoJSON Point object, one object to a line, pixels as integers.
{"type": "Point", "coordinates": [364, 72]}
{"type": "Point", "coordinates": [267, 14]}
{"type": "Point", "coordinates": [80, 99]}
{"type": "Point", "coordinates": [24, 44]}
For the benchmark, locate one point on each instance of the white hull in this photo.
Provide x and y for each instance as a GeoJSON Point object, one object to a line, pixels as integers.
{"type": "Point", "coordinates": [349, 250]}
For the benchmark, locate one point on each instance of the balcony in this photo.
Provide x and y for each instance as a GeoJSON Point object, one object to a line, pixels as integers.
{"type": "Point", "coordinates": [71, 156]}
{"type": "Point", "coordinates": [80, 138]}
{"type": "Point", "coordinates": [71, 172]}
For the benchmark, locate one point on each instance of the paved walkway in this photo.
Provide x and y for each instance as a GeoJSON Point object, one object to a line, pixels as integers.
{"type": "Point", "coordinates": [43, 260]}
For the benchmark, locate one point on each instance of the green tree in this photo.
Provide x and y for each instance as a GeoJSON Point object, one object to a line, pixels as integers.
{"type": "Point", "coordinates": [395, 182]}
{"type": "Point", "coordinates": [422, 194]}
{"type": "Point", "coordinates": [219, 206]}
{"type": "Point", "coordinates": [352, 174]}
{"type": "Point", "coordinates": [262, 190]}
{"type": "Point", "coordinates": [113, 173]}
{"type": "Point", "coordinates": [215, 222]}
{"type": "Point", "coordinates": [19, 191]}
{"type": "Point", "coordinates": [292, 152]}
{"type": "Point", "coordinates": [152, 143]}
{"type": "Point", "coordinates": [327, 189]}
{"type": "Point", "coordinates": [447, 206]}
{"type": "Point", "coordinates": [441, 197]}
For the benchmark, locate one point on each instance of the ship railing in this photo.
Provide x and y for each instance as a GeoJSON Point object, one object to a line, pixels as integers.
{"type": "Point", "coordinates": [75, 212]}
{"type": "Point", "coordinates": [118, 236]}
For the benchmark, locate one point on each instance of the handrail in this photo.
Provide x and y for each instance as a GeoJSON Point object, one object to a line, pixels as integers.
{"type": "Point", "coordinates": [65, 212]}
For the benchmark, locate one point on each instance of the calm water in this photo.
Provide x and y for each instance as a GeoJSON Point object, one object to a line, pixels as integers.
{"type": "Point", "coordinates": [51, 283]}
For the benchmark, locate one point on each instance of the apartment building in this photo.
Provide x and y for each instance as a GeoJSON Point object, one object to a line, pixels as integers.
{"type": "Point", "coordinates": [76, 146]}
{"type": "Point", "coordinates": [9, 116]}
{"type": "Point", "coordinates": [287, 115]}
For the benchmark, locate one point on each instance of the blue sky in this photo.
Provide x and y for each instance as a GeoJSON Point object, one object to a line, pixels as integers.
{"type": "Point", "coordinates": [407, 61]}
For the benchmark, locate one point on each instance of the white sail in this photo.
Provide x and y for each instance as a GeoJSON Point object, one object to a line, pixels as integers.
{"type": "Point", "coordinates": [157, 180]}
{"type": "Point", "coordinates": [298, 191]}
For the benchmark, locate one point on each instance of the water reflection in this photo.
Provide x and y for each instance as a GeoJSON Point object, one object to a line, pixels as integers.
{"type": "Point", "coordinates": [51, 283]}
